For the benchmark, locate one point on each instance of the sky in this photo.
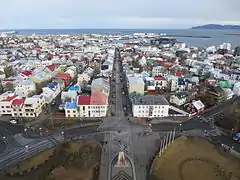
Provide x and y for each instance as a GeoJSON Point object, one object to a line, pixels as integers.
{"type": "Point", "coordinates": [125, 14]}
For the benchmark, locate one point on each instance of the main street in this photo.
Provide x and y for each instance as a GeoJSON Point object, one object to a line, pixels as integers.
{"type": "Point", "coordinates": [143, 148]}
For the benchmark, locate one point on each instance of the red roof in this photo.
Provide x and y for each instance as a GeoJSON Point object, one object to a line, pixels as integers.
{"type": "Point", "coordinates": [179, 73]}
{"type": "Point", "coordinates": [10, 98]}
{"type": "Point", "coordinates": [9, 80]}
{"type": "Point", "coordinates": [27, 73]}
{"type": "Point", "coordinates": [84, 100]}
{"type": "Point", "coordinates": [51, 67]}
{"type": "Point", "coordinates": [18, 102]}
{"type": "Point", "coordinates": [98, 98]}
{"type": "Point", "coordinates": [205, 83]}
{"type": "Point", "coordinates": [159, 78]}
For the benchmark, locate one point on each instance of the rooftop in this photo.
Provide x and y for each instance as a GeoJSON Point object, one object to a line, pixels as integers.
{"type": "Point", "coordinates": [18, 102]}
{"type": "Point", "coordinates": [84, 100]}
{"type": "Point", "coordinates": [71, 105]}
{"type": "Point", "coordinates": [74, 88]}
{"type": "Point", "coordinates": [10, 98]}
{"type": "Point", "coordinates": [150, 100]}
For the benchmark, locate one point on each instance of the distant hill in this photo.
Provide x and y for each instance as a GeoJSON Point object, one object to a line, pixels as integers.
{"type": "Point", "coordinates": [218, 27]}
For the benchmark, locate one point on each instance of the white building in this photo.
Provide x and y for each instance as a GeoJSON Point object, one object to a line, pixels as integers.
{"type": "Point", "coordinates": [33, 106]}
{"type": "Point", "coordinates": [135, 84]}
{"type": "Point", "coordinates": [95, 105]}
{"type": "Point", "coordinates": [236, 89]}
{"type": "Point", "coordinates": [25, 88]}
{"type": "Point", "coordinates": [161, 82]}
{"type": "Point", "coordinates": [83, 78]}
{"type": "Point", "coordinates": [150, 106]}
{"type": "Point", "coordinates": [68, 96]}
{"type": "Point", "coordinates": [157, 71]}
{"type": "Point", "coordinates": [6, 100]}
{"type": "Point", "coordinates": [179, 98]}
{"type": "Point", "coordinates": [173, 82]}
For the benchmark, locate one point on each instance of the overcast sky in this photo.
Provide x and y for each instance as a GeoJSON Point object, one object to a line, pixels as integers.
{"type": "Point", "coordinates": [67, 14]}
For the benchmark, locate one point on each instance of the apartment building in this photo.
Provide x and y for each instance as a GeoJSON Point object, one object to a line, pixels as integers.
{"type": "Point", "coordinates": [135, 84]}
{"type": "Point", "coordinates": [150, 106]}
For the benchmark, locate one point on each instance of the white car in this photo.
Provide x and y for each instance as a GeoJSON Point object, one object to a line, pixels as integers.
{"type": "Point", "coordinates": [13, 121]}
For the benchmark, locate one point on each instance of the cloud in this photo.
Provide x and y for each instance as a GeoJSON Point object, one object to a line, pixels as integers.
{"type": "Point", "coordinates": [116, 14]}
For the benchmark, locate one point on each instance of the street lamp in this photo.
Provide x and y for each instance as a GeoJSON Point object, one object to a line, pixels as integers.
{"type": "Point", "coordinates": [180, 128]}
{"type": "Point", "coordinates": [26, 148]}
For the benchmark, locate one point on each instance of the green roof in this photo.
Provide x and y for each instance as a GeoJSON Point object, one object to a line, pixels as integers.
{"type": "Point", "coordinates": [225, 84]}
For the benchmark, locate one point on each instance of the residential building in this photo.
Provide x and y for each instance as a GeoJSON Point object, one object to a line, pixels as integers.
{"type": "Point", "coordinates": [83, 78]}
{"type": "Point", "coordinates": [68, 96]}
{"type": "Point", "coordinates": [150, 84]}
{"type": "Point", "coordinates": [100, 85]}
{"type": "Point", "coordinates": [25, 88]}
{"type": "Point", "coordinates": [95, 105]}
{"type": "Point", "coordinates": [158, 71]}
{"type": "Point", "coordinates": [178, 98]}
{"type": "Point", "coordinates": [33, 106]}
{"type": "Point", "coordinates": [195, 107]}
{"type": "Point", "coordinates": [6, 100]}
{"type": "Point", "coordinates": [150, 106]}
{"type": "Point", "coordinates": [52, 89]}
{"type": "Point", "coordinates": [71, 109]}
{"type": "Point", "coordinates": [135, 84]}
{"type": "Point", "coordinates": [161, 82]}
{"type": "Point", "coordinates": [173, 82]}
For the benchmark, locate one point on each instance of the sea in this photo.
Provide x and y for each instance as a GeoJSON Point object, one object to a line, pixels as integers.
{"type": "Point", "coordinates": [216, 37]}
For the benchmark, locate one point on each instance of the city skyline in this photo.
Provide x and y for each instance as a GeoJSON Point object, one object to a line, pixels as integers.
{"type": "Point", "coordinates": [124, 14]}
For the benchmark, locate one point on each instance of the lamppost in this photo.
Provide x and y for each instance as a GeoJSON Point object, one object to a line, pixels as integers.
{"type": "Point", "coordinates": [232, 131]}
{"type": "Point", "coordinates": [40, 131]}
{"type": "Point", "coordinates": [4, 139]}
{"type": "Point", "coordinates": [180, 127]}
{"type": "Point", "coordinates": [26, 148]}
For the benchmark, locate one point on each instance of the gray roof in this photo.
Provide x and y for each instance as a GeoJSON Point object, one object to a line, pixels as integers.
{"type": "Point", "coordinates": [150, 100]}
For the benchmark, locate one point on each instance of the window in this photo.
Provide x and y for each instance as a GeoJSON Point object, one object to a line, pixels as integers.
{"type": "Point", "coordinates": [26, 114]}
{"type": "Point", "coordinates": [2, 106]}
{"type": "Point", "coordinates": [3, 110]}
{"type": "Point", "coordinates": [20, 109]}
{"type": "Point", "coordinates": [20, 114]}
{"type": "Point", "coordinates": [68, 111]}
{"type": "Point", "coordinates": [15, 114]}
{"type": "Point", "coordinates": [84, 108]}
{"type": "Point", "coordinates": [74, 111]}
{"type": "Point", "coordinates": [7, 106]}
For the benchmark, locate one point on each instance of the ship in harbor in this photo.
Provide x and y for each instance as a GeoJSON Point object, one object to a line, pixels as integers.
{"type": "Point", "coordinates": [5, 33]}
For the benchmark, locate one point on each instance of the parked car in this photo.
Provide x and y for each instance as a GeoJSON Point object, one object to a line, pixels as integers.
{"type": "Point", "coordinates": [13, 121]}
{"type": "Point", "coordinates": [236, 137]}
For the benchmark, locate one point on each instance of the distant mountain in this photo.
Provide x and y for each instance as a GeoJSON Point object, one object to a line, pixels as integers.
{"type": "Point", "coordinates": [218, 27]}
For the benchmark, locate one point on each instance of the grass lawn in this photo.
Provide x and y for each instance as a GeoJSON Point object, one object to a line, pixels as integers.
{"type": "Point", "coordinates": [84, 162]}
{"type": "Point", "coordinates": [32, 162]}
{"type": "Point", "coordinates": [192, 158]}
{"type": "Point", "coordinates": [76, 160]}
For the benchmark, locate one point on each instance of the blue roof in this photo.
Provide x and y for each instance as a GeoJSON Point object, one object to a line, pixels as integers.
{"type": "Point", "coordinates": [74, 88]}
{"type": "Point", "coordinates": [181, 82]}
{"type": "Point", "coordinates": [52, 85]}
{"type": "Point", "coordinates": [71, 105]}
